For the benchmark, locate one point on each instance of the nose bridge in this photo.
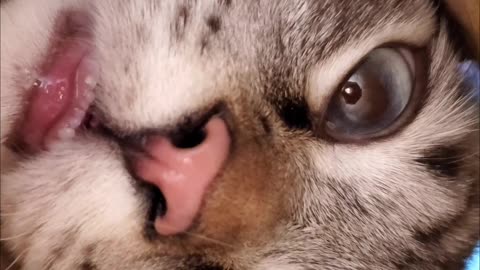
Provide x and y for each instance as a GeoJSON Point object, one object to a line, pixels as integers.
{"type": "Point", "coordinates": [183, 175]}
{"type": "Point", "coordinates": [157, 86]}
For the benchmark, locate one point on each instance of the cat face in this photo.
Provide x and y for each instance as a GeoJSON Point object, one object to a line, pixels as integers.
{"type": "Point", "coordinates": [348, 142]}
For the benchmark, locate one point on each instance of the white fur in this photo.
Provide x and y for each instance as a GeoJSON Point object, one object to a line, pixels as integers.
{"type": "Point", "coordinates": [82, 185]}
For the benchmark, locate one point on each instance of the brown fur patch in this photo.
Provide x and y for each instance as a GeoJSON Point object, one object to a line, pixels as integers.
{"type": "Point", "coordinates": [468, 13]}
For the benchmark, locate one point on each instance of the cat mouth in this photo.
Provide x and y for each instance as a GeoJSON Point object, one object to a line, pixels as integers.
{"type": "Point", "coordinates": [60, 97]}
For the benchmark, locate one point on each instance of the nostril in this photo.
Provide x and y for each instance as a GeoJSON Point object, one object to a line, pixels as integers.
{"type": "Point", "coordinates": [189, 139]}
{"type": "Point", "coordinates": [157, 207]}
{"type": "Point", "coordinates": [183, 176]}
{"type": "Point", "coordinates": [158, 204]}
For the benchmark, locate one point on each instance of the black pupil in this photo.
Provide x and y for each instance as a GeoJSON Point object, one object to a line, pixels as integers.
{"type": "Point", "coordinates": [351, 93]}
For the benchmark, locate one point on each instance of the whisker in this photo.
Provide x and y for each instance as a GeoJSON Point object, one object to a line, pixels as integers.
{"type": "Point", "coordinates": [11, 209]}
{"type": "Point", "coordinates": [10, 214]}
{"type": "Point", "coordinates": [16, 213]}
{"type": "Point", "coordinates": [16, 260]}
{"type": "Point", "coordinates": [14, 237]}
{"type": "Point", "coordinates": [203, 237]}
{"type": "Point", "coordinates": [457, 158]}
{"type": "Point", "coordinates": [212, 240]}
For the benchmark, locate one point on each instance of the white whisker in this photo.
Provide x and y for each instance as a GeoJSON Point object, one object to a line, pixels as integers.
{"type": "Point", "coordinates": [14, 237]}
{"type": "Point", "coordinates": [16, 260]}
{"type": "Point", "coordinates": [209, 239]}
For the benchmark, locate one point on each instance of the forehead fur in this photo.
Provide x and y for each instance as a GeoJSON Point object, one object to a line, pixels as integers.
{"type": "Point", "coordinates": [220, 46]}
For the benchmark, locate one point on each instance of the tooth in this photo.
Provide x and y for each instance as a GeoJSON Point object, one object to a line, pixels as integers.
{"type": "Point", "coordinates": [77, 118]}
{"type": "Point", "coordinates": [84, 104]}
{"type": "Point", "coordinates": [27, 71]}
{"type": "Point", "coordinates": [89, 96]}
{"type": "Point", "coordinates": [50, 145]}
{"type": "Point", "coordinates": [37, 83]}
{"type": "Point", "coordinates": [75, 122]}
{"type": "Point", "coordinates": [91, 67]}
{"type": "Point", "coordinates": [90, 81]}
{"type": "Point", "coordinates": [86, 100]}
{"type": "Point", "coordinates": [78, 113]}
{"type": "Point", "coordinates": [66, 133]}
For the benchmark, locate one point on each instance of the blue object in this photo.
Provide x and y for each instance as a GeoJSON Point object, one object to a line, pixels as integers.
{"type": "Point", "coordinates": [471, 71]}
{"type": "Point", "coordinates": [473, 262]}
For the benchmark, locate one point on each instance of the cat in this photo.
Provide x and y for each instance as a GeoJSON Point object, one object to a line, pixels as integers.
{"type": "Point", "coordinates": [264, 135]}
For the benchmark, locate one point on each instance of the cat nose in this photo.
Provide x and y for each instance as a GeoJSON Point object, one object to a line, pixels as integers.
{"type": "Point", "coordinates": [183, 167]}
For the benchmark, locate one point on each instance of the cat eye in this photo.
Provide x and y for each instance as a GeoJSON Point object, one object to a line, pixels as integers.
{"type": "Point", "coordinates": [373, 99]}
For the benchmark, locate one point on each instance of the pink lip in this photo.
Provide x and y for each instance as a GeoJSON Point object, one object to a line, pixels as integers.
{"type": "Point", "coordinates": [61, 96]}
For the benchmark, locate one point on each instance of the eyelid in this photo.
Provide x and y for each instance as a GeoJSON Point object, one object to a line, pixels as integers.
{"type": "Point", "coordinates": [325, 77]}
{"type": "Point", "coordinates": [321, 87]}
{"type": "Point", "coordinates": [419, 71]}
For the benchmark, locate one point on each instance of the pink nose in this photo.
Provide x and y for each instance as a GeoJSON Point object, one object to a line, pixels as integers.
{"type": "Point", "coordinates": [184, 174]}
